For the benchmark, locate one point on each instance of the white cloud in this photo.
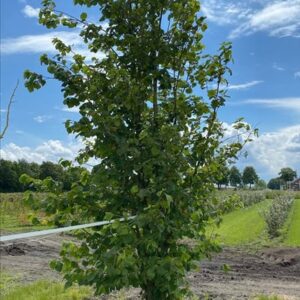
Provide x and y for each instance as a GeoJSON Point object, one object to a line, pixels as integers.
{"type": "Point", "coordinates": [297, 74]}
{"type": "Point", "coordinates": [74, 109]}
{"type": "Point", "coordinates": [269, 153]}
{"type": "Point", "coordinates": [38, 43]}
{"type": "Point", "coordinates": [286, 103]}
{"type": "Point", "coordinates": [30, 11]}
{"type": "Point", "coordinates": [277, 67]}
{"type": "Point", "coordinates": [277, 18]}
{"type": "Point", "coordinates": [42, 43]}
{"type": "Point", "coordinates": [42, 119]}
{"type": "Point", "coordinates": [225, 12]}
{"type": "Point", "coordinates": [3, 110]}
{"type": "Point", "coordinates": [51, 150]}
{"type": "Point", "coordinates": [243, 86]}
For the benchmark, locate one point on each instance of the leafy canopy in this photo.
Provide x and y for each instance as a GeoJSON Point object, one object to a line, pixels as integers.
{"type": "Point", "coordinates": [235, 177]}
{"type": "Point", "coordinates": [158, 142]}
{"type": "Point", "coordinates": [287, 174]}
{"type": "Point", "coordinates": [249, 176]}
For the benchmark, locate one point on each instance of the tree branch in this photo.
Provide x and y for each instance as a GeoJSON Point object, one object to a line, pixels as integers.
{"type": "Point", "coordinates": [8, 111]}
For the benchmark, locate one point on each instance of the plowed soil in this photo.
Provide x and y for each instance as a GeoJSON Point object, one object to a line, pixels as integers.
{"type": "Point", "coordinates": [269, 271]}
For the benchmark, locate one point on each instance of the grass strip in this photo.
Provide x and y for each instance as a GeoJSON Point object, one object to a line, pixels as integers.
{"type": "Point", "coordinates": [47, 290]}
{"type": "Point", "coordinates": [293, 232]}
{"type": "Point", "coordinates": [242, 226]}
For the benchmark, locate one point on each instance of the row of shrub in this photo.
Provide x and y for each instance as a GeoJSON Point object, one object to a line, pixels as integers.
{"type": "Point", "coordinates": [231, 200]}
{"type": "Point", "coordinates": [277, 213]}
{"type": "Point", "coordinates": [249, 198]}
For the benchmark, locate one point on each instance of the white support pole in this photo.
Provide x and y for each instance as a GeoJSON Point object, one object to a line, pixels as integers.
{"type": "Point", "coordinates": [25, 235]}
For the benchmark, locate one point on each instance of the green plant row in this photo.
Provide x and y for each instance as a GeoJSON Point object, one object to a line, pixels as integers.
{"type": "Point", "coordinates": [277, 214]}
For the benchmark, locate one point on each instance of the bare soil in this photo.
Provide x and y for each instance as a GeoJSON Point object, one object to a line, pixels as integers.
{"type": "Point", "coordinates": [269, 271]}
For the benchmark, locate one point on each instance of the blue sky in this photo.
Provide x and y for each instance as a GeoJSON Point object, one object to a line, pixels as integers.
{"type": "Point", "coordinates": [264, 88]}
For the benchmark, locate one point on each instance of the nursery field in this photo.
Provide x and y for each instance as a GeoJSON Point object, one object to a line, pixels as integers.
{"type": "Point", "coordinates": [257, 264]}
{"type": "Point", "coordinates": [247, 226]}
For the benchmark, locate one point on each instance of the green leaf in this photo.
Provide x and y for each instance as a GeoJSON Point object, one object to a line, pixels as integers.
{"type": "Point", "coordinates": [226, 268]}
{"type": "Point", "coordinates": [212, 93]}
{"type": "Point", "coordinates": [56, 265]}
{"type": "Point", "coordinates": [134, 189]}
{"type": "Point", "coordinates": [25, 179]}
{"type": "Point", "coordinates": [83, 16]}
{"type": "Point", "coordinates": [108, 216]}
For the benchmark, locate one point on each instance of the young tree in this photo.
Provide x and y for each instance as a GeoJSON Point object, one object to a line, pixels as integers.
{"type": "Point", "coordinates": [249, 176]}
{"type": "Point", "coordinates": [235, 177]}
{"type": "Point", "coordinates": [157, 141]}
{"type": "Point", "coordinates": [8, 176]}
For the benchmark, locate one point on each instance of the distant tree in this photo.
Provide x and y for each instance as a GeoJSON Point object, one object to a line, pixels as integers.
{"type": "Point", "coordinates": [8, 177]}
{"type": "Point", "coordinates": [249, 176]}
{"type": "Point", "coordinates": [11, 171]}
{"type": "Point", "coordinates": [22, 167]}
{"type": "Point", "coordinates": [287, 174]}
{"type": "Point", "coordinates": [50, 169]}
{"type": "Point", "coordinates": [260, 184]}
{"type": "Point", "coordinates": [235, 177]}
{"type": "Point", "coordinates": [34, 169]}
{"type": "Point", "coordinates": [274, 183]}
{"type": "Point", "coordinates": [223, 176]}
{"type": "Point", "coordinates": [70, 176]}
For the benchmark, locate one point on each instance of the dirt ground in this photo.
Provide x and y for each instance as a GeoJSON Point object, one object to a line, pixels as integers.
{"type": "Point", "coordinates": [269, 271]}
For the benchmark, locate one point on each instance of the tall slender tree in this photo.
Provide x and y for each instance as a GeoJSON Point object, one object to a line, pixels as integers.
{"type": "Point", "coordinates": [157, 140]}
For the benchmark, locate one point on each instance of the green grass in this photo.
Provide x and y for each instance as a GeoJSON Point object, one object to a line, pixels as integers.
{"type": "Point", "coordinates": [293, 230]}
{"type": "Point", "coordinates": [263, 297]}
{"type": "Point", "coordinates": [14, 215]}
{"type": "Point", "coordinates": [47, 290]}
{"type": "Point", "coordinates": [7, 282]}
{"type": "Point", "coordinates": [243, 226]}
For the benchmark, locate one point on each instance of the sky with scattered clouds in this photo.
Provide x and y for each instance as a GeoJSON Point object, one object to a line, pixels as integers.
{"type": "Point", "coordinates": [264, 87]}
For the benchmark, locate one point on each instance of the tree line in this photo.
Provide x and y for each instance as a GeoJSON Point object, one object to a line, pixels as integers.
{"type": "Point", "coordinates": [232, 176]}
{"type": "Point", "coordinates": [248, 177]}
{"type": "Point", "coordinates": [10, 172]}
